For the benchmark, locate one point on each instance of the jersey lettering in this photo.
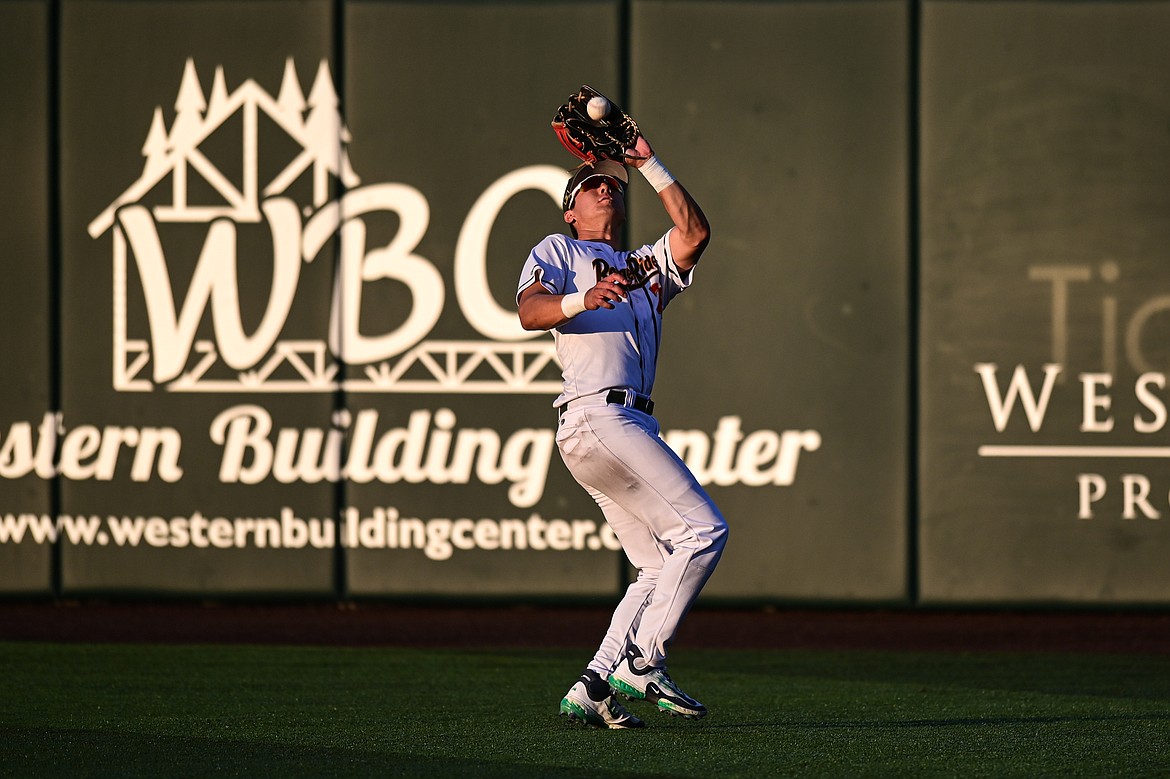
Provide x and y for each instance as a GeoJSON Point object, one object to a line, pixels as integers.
{"type": "Point", "coordinates": [638, 270]}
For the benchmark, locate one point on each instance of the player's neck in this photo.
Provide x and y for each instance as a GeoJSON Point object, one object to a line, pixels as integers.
{"type": "Point", "coordinates": [605, 236]}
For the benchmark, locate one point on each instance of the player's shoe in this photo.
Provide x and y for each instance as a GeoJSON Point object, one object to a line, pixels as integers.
{"type": "Point", "coordinates": [647, 683]}
{"type": "Point", "coordinates": [592, 702]}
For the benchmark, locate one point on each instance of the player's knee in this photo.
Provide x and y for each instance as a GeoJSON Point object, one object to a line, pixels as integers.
{"type": "Point", "coordinates": [647, 577]}
{"type": "Point", "coordinates": [716, 537]}
{"type": "Point", "coordinates": [711, 538]}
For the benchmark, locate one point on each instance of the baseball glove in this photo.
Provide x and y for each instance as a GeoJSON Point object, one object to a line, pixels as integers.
{"type": "Point", "coordinates": [605, 137]}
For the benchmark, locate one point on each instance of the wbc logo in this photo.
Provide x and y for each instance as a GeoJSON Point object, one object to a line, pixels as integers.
{"type": "Point", "coordinates": [297, 206]}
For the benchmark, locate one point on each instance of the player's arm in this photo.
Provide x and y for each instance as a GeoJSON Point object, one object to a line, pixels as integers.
{"type": "Point", "coordinates": [540, 309]}
{"type": "Point", "coordinates": [691, 232]}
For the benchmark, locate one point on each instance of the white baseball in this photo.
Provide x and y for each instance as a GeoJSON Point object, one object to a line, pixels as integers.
{"type": "Point", "coordinates": [598, 108]}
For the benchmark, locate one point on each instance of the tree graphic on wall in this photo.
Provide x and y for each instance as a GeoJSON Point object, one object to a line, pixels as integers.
{"type": "Point", "coordinates": [315, 124]}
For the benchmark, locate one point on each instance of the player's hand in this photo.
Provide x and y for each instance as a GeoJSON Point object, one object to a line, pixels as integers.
{"type": "Point", "coordinates": [607, 292]}
{"type": "Point", "coordinates": [641, 151]}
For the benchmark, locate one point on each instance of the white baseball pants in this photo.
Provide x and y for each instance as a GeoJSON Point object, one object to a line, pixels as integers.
{"type": "Point", "coordinates": [669, 527]}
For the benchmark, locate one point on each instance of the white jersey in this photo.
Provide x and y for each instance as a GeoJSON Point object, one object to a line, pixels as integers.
{"type": "Point", "coordinates": [607, 348]}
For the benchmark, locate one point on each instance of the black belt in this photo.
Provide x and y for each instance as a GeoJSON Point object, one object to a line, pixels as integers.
{"type": "Point", "coordinates": [617, 397]}
{"type": "Point", "coordinates": [641, 402]}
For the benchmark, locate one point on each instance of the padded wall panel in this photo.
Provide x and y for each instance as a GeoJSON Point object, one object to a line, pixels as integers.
{"type": "Point", "coordinates": [788, 123]}
{"type": "Point", "coordinates": [199, 144]}
{"type": "Point", "coordinates": [449, 105]}
{"type": "Point", "coordinates": [1045, 222]}
{"type": "Point", "coordinates": [26, 524]}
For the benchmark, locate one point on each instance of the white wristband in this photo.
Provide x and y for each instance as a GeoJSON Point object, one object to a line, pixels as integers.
{"type": "Point", "coordinates": [656, 173]}
{"type": "Point", "coordinates": [573, 304]}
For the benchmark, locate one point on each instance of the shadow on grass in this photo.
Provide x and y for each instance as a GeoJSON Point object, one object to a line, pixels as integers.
{"type": "Point", "coordinates": [1134, 677]}
{"type": "Point", "coordinates": [31, 752]}
{"type": "Point", "coordinates": [940, 722]}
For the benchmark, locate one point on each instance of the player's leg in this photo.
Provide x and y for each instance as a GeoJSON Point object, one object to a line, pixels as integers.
{"type": "Point", "coordinates": [622, 456]}
{"type": "Point", "coordinates": [644, 553]}
{"type": "Point", "coordinates": [591, 700]}
{"type": "Point", "coordinates": [677, 510]}
{"type": "Point", "coordinates": [618, 453]}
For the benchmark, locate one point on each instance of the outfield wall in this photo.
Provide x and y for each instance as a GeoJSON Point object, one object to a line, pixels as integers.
{"type": "Point", "coordinates": [262, 255]}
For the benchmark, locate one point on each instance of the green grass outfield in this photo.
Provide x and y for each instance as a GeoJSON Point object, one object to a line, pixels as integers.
{"type": "Point", "coordinates": [171, 711]}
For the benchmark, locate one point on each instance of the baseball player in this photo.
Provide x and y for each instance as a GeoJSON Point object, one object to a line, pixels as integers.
{"type": "Point", "coordinates": [604, 307]}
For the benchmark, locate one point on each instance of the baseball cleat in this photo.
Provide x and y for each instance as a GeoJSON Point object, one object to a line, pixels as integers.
{"type": "Point", "coordinates": [581, 704]}
{"type": "Point", "coordinates": [654, 685]}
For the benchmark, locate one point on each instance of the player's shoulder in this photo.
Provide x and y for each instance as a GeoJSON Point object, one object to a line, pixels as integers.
{"type": "Point", "coordinates": [557, 245]}
{"type": "Point", "coordinates": [659, 248]}
{"type": "Point", "coordinates": [560, 240]}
